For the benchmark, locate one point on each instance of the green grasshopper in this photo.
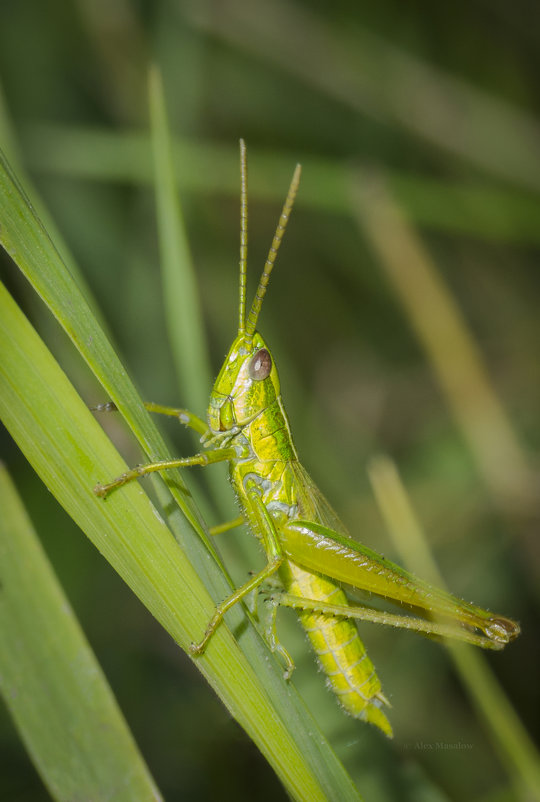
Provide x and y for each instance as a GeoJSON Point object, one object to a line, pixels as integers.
{"type": "Point", "coordinates": [305, 543]}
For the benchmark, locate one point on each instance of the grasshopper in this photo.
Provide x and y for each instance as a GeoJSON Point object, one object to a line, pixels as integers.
{"type": "Point", "coordinates": [305, 543]}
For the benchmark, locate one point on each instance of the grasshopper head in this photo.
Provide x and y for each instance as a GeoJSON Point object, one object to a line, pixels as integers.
{"type": "Point", "coordinates": [247, 384]}
{"type": "Point", "coordinates": [248, 381]}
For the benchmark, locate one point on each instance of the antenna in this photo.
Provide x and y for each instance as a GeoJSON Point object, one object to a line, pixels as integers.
{"type": "Point", "coordinates": [272, 253]}
{"type": "Point", "coordinates": [243, 239]}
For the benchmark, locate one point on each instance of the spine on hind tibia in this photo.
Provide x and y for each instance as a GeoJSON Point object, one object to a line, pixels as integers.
{"type": "Point", "coordinates": [340, 651]}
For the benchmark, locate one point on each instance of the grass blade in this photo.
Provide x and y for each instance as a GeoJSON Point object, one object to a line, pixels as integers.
{"type": "Point", "coordinates": [500, 214]}
{"type": "Point", "coordinates": [505, 729]}
{"type": "Point", "coordinates": [371, 76]}
{"type": "Point", "coordinates": [445, 336]}
{"type": "Point", "coordinates": [50, 679]}
{"type": "Point", "coordinates": [70, 452]}
{"type": "Point", "coordinates": [181, 299]}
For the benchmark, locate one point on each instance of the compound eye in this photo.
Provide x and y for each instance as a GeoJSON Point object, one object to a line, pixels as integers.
{"type": "Point", "coordinates": [261, 365]}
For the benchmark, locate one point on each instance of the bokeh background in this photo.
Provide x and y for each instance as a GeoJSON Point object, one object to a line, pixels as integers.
{"type": "Point", "coordinates": [403, 315]}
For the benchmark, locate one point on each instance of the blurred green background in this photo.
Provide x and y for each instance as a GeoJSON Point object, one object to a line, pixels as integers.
{"type": "Point", "coordinates": [439, 104]}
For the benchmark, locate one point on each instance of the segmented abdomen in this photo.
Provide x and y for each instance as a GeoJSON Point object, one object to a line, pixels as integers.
{"type": "Point", "coordinates": [338, 647]}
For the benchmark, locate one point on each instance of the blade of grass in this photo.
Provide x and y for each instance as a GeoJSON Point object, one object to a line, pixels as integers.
{"type": "Point", "coordinates": [375, 78]}
{"type": "Point", "coordinates": [10, 146]}
{"type": "Point", "coordinates": [26, 240]}
{"type": "Point", "coordinates": [444, 334]}
{"type": "Point", "coordinates": [480, 209]}
{"type": "Point", "coordinates": [180, 296]}
{"type": "Point", "coordinates": [51, 681]}
{"type": "Point", "coordinates": [502, 723]}
{"type": "Point", "coordinates": [149, 562]}
{"type": "Point", "coordinates": [181, 300]}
